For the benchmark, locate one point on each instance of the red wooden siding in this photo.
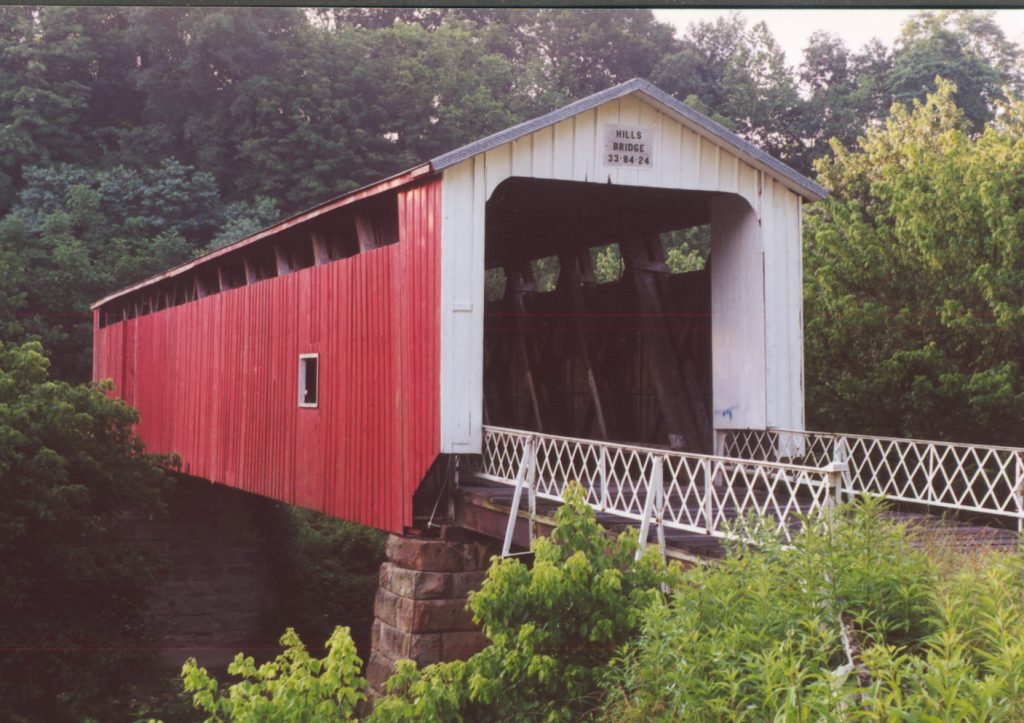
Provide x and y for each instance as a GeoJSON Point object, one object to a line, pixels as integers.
{"type": "Point", "coordinates": [216, 380]}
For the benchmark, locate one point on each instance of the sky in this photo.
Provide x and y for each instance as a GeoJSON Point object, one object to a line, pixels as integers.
{"type": "Point", "coordinates": [792, 28]}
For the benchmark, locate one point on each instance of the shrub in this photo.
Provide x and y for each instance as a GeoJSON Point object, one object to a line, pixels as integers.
{"type": "Point", "coordinates": [759, 637]}
{"type": "Point", "coordinates": [326, 573]}
{"type": "Point", "coordinates": [553, 629]}
{"type": "Point", "coordinates": [292, 688]}
{"type": "Point", "coordinates": [73, 477]}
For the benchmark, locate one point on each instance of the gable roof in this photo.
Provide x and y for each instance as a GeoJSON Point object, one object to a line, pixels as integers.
{"type": "Point", "coordinates": [661, 100]}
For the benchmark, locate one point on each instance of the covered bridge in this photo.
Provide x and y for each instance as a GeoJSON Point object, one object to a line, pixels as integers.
{"type": "Point", "coordinates": [332, 360]}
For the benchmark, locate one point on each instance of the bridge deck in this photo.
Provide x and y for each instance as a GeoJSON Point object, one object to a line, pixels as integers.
{"type": "Point", "coordinates": [484, 507]}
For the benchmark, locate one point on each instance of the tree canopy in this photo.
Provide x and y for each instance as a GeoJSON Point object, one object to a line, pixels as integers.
{"type": "Point", "coordinates": [134, 138]}
{"type": "Point", "coordinates": [915, 276]}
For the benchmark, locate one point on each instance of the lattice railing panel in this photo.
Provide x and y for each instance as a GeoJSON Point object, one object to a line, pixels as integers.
{"type": "Point", "coordinates": [697, 493]}
{"type": "Point", "coordinates": [971, 478]}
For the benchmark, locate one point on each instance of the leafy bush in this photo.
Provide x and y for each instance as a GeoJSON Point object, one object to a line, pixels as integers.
{"type": "Point", "coordinates": [326, 573]}
{"type": "Point", "coordinates": [292, 688]}
{"type": "Point", "coordinates": [760, 636]}
{"type": "Point", "coordinates": [553, 628]}
{"type": "Point", "coordinates": [73, 476]}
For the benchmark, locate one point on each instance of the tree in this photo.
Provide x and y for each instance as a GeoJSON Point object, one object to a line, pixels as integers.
{"type": "Point", "coordinates": [738, 74]}
{"type": "Point", "coordinates": [845, 92]}
{"type": "Point", "coordinates": [242, 218]}
{"type": "Point", "coordinates": [914, 276]}
{"type": "Point", "coordinates": [74, 477]}
{"type": "Point", "coordinates": [966, 48]}
{"type": "Point", "coordinates": [78, 235]}
{"type": "Point", "coordinates": [325, 570]}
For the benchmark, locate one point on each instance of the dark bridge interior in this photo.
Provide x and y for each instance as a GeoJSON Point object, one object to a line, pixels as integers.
{"type": "Point", "coordinates": [587, 332]}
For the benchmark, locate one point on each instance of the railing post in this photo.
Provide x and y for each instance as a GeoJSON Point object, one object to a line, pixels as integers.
{"type": "Point", "coordinates": [653, 494]}
{"type": "Point", "coordinates": [521, 474]}
{"type": "Point", "coordinates": [1018, 491]}
{"type": "Point", "coordinates": [531, 486]}
{"type": "Point", "coordinates": [933, 465]}
{"type": "Point", "coordinates": [834, 481]}
{"type": "Point", "coordinates": [720, 439]}
{"type": "Point", "coordinates": [708, 492]}
{"type": "Point", "coordinates": [659, 503]}
{"type": "Point", "coordinates": [603, 471]}
{"type": "Point", "coordinates": [841, 457]}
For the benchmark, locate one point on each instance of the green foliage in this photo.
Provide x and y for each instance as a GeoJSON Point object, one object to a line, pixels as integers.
{"type": "Point", "coordinates": [292, 688]}
{"type": "Point", "coordinates": [132, 138]}
{"type": "Point", "coordinates": [78, 234]}
{"type": "Point", "coordinates": [553, 627]}
{"type": "Point", "coordinates": [758, 637]}
{"type": "Point", "coordinates": [739, 74]}
{"type": "Point", "coordinates": [918, 259]}
{"type": "Point", "coordinates": [965, 48]}
{"type": "Point", "coordinates": [242, 218]}
{"type": "Point", "coordinates": [846, 92]}
{"type": "Point", "coordinates": [326, 572]}
{"type": "Point", "coordinates": [73, 479]}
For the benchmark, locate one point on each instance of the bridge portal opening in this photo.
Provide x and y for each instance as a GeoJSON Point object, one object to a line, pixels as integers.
{"type": "Point", "coordinates": [598, 313]}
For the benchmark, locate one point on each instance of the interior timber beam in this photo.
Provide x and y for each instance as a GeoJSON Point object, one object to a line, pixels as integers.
{"type": "Point", "coordinates": [683, 431]}
{"type": "Point", "coordinates": [251, 276]}
{"type": "Point", "coordinates": [365, 232]}
{"type": "Point", "coordinates": [679, 329]}
{"type": "Point", "coordinates": [570, 277]}
{"type": "Point", "coordinates": [320, 253]}
{"type": "Point", "coordinates": [284, 267]}
{"type": "Point", "coordinates": [520, 282]}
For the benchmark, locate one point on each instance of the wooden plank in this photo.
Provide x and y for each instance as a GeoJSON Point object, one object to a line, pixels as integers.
{"type": "Point", "coordinates": [518, 284]}
{"type": "Point", "coordinates": [251, 276]}
{"type": "Point", "coordinates": [283, 266]}
{"type": "Point", "coordinates": [320, 254]}
{"type": "Point", "coordinates": [365, 232]}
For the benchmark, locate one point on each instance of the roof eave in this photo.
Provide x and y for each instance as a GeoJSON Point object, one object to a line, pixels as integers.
{"type": "Point", "coordinates": [382, 186]}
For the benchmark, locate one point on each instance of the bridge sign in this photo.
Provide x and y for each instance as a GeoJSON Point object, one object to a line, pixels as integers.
{"type": "Point", "coordinates": [628, 146]}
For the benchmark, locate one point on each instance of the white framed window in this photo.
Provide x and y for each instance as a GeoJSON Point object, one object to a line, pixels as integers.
{"type": "Point", "coordinates": [309, 380]}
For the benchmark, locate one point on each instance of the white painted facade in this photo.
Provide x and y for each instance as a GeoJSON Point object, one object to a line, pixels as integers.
{"type": "Point", "coordinates": [756, 277]}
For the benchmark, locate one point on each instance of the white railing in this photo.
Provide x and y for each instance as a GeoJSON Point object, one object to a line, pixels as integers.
{"type": "Point", "coordinates": [974, 478]}
{"type": "Point", "coordinates": [705, 494]}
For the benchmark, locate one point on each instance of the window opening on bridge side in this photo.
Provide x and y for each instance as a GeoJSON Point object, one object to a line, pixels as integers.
{"type": "Point", "coordinates": [495, 281]}
{"type": "Point", "coordinates": [364, 226]}
{"type": "Point", "coordinates": [231, 273]}
{"type": "Point", "coordinates": [687, 249]}
{"type": "Point", "coordinates": [309, 380]}
{"type": "Point", "coordinates": [300, 254]}
{"type": "Point", "coordinates": [545, 273]}
{"type": "Point", "coordinates": [607, 263]}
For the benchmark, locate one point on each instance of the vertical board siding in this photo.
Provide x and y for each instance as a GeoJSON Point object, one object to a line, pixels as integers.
{"type": "Point", "coordinates": [783, 306]}
{"type": "Point", "coordinates": [216, 380]}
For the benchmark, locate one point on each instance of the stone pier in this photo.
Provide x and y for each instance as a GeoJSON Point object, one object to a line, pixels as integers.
{"type": "Point", "coordinates": [420, 610]}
